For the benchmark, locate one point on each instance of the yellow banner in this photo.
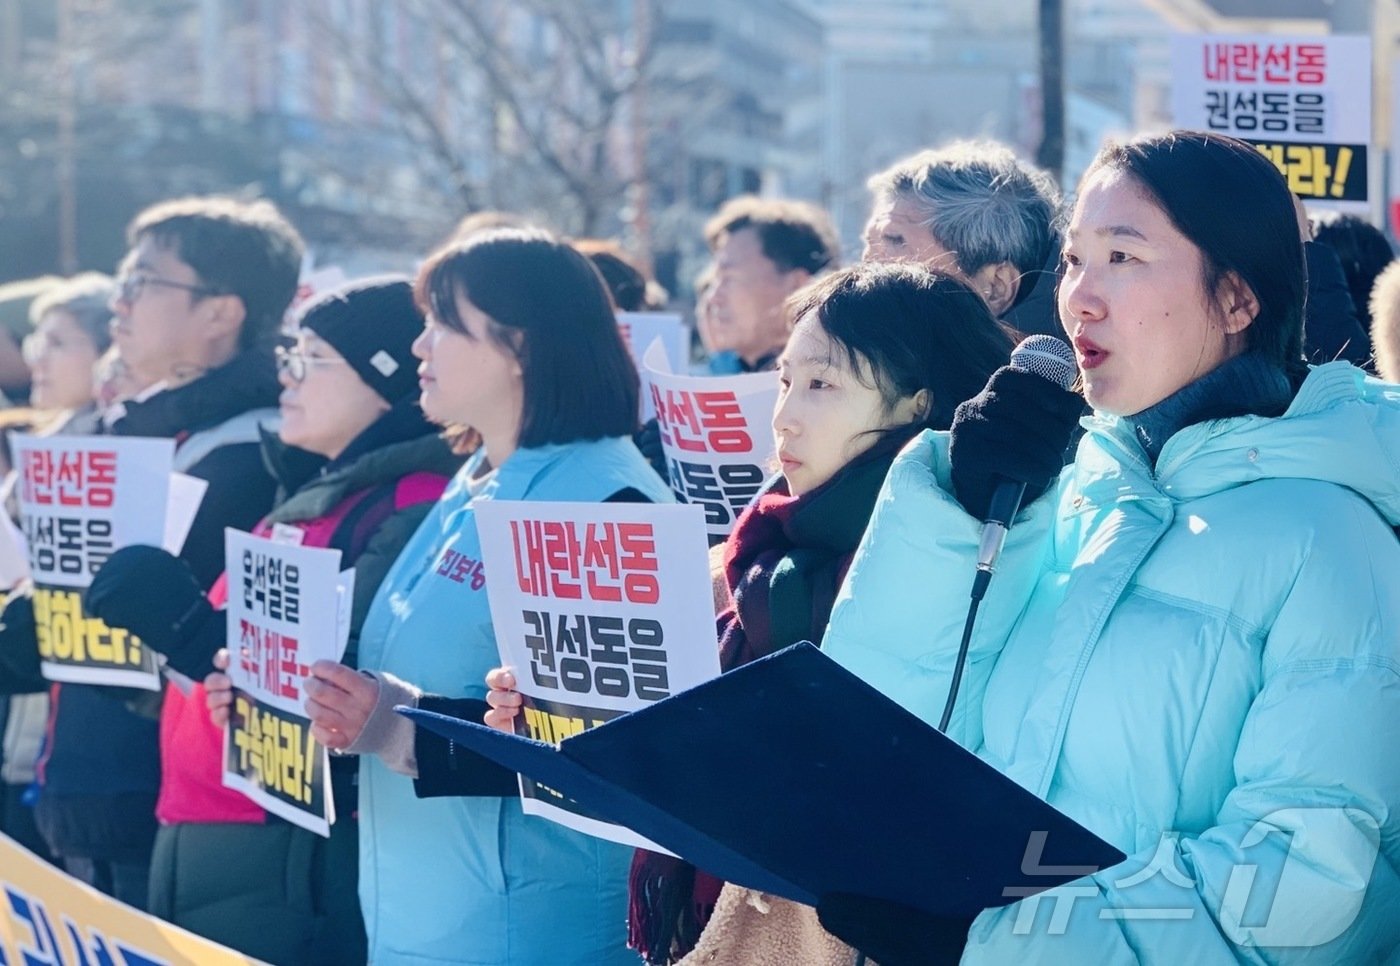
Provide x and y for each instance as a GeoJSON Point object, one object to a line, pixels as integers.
{"type": "Point", "coordinates": [51, 918]}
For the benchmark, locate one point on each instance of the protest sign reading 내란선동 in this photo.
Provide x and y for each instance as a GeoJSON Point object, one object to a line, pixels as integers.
{"type": "Point", "coordinates": [287, 609]}
{"type": "Point", "coordinates": [716, 432]}
{"type": "Point", "coordinates": [81, 498]}
{"type": "Point", "coordinates": [601, 608]}
{"type": "Point", "coordinates": [1303, 101]}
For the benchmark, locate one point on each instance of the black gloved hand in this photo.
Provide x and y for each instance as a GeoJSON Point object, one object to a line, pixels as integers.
{"type": "Point", "coordinates": [154, 594]}
{"type": "Point", "coordinates": [648, 440]}
{"type": "Point", "coordinates": [1017, 428]}
{"type": "Point", "coordinates": [891, 933]}
{"type": "Point", "coordinates": [19, 648]}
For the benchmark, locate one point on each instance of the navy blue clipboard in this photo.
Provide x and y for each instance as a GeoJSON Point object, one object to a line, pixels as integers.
{"type": "Point", "coordinates": [792, 776]}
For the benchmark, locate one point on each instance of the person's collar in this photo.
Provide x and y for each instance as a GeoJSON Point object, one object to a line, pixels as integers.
{"type": "Point", "coordinates": [402, 422]}
{"type": "Point", "coordinates": [247, 381]}
{"type": "Point", "coordinates": [763, 363]}
{"type": "Point", "coordinates": [1247, 384]}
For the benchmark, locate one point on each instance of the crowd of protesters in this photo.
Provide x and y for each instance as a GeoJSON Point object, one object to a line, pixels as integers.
{"type": "Point", "coordinates": [1197, 628]}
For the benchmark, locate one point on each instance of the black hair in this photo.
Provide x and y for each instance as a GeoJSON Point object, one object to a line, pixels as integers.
{"type": "Point", "coordinates": [792, 234]}
{"type": "Point", "coordinates": [624, 280]}
{"type": "Point", "coordinates": [1231, 202]}
{"type": "Point", "coordinates": [909, 328]}
{"type": "Point", "coordinates": [1363, 251]}
{"type": "Point", "coordinates": [549, 309]}
{"type": "Point", "coordinates": [246, 249]}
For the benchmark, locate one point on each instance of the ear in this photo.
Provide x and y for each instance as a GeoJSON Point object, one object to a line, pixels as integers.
{"type": "Point", "coordinates": [913, 409]}
{"type": "Point", "coordinates": [923, 404]}
{"type": "Point", "coordinates": [1238, 304]}
{"type": "Point", "coordinates": [225, 315]}
{"type": "Point", "coordinates": [795, 279]}
{"type": "Point", "coordinates": [998, 284]}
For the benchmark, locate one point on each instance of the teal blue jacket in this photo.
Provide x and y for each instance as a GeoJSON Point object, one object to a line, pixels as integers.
{"type": "Point", "coordinates": [474, 880]}
{"type": "Point", "coordinates": [1200, 662]}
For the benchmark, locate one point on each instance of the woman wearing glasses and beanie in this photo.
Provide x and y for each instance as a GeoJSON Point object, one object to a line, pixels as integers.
{"type": "Point", "coordinates": [358, 467]}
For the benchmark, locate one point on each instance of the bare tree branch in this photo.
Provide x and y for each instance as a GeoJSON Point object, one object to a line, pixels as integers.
{"type": "Point", "coordinates": [409, 107]}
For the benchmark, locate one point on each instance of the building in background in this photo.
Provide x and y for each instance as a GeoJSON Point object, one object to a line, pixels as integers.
{"type": "Point", "coordinates": [378, 123]}
{"type": "Point", "coordinates": [735, 106]}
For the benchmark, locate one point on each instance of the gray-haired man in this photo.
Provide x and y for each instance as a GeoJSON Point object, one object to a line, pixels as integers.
{"type": "Point", "coordinates": [972, 210]}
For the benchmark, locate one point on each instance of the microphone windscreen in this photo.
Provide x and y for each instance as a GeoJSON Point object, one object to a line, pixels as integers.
{"type": "Point", "coordinates": [1047, 357]}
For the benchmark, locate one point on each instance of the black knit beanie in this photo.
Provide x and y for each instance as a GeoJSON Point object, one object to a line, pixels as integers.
{"type": "Point", "coordinates": [372, 322]}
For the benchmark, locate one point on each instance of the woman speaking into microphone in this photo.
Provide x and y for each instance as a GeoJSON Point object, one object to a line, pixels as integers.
{"type": "Point", "coordinates": [1192, 643]}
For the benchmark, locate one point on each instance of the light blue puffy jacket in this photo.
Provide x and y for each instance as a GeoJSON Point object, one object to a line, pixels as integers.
{"type": "Point", "coordinates": [1199, 662]}
{"type": "Point", "coordinates": [475, 880]}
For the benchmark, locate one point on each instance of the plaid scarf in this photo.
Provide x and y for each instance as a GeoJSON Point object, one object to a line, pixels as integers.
{"type": "Point", "coordinates": [784, 564]}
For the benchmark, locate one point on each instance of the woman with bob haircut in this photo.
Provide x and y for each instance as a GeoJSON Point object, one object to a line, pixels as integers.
{"type": "Point", "coordinates": [520, 344]}
{"type": "Point", "coordinates": [878, 352]}
{"type": "Point", "coordinates": [1192, 643]}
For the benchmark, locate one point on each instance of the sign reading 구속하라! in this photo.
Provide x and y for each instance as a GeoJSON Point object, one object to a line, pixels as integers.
{"type": "Point", "coordinates": [287, 609]}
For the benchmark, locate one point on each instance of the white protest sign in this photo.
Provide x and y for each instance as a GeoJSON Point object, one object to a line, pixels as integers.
{"type": "Point", "coordinates": [641, 329]}
{"type": "Point", "coordinates": [186, 494]}
{"type": "Point", "coordinates": [80, 499]}
{"type": "Point", "coordinates": [717, 434]}
{"type": "Point", "coordinates": [1304, 102]}
{"type": "Point", "coordinates": [605, 608]}
{"type": "Point", "coordinates": [284, 604]}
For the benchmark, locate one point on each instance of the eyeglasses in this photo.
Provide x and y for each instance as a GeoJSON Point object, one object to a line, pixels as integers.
{"type": "Point", "coordinates": [130, 285]}
{"type": "Point", "coordinates": [296, 365]}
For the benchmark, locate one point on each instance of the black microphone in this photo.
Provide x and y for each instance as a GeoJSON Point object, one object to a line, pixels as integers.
{"type": "Point", "coordinates": [1052, 360]}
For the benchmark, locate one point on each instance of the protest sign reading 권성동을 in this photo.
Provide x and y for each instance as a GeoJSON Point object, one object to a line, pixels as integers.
{"type": "Point", "coordinates": [601, 609]}
{"type": "Point", "coordinates": [287, 606]}
{"type": "Point", "coordinates": [1304, 102]}
{"type": "Point", "coordinates": [716, 432]}
{"type": "Point", "coordinates": [81, 498]}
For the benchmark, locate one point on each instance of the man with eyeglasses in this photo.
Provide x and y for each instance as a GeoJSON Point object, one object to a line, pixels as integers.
{"type": "Point", "coordinates": [199, 304]}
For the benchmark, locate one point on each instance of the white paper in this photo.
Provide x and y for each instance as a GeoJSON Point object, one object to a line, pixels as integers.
{"type": "Point", "coordinates": [717, 434]}
{"type": "Point", "coordinates": [284, 614]}
{"type": "Point", "coordinates": [344, 609]}
{"type": "Point", "coordinates": [641, 331]}
{"type": "Point", "coordinates": [646, 611]}
{"type": "Point", "coordinates": [186, 495]}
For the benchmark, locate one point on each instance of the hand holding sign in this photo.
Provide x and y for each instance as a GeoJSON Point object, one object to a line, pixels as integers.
{"type": "Point", "coordinates": [339, 701]}
{"type": "Point", "coordinates": [154, 594]}
{"type": "Point", "coordinates": [504, 700]}
{"type": "Point", "coordinates": [218, 690]}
